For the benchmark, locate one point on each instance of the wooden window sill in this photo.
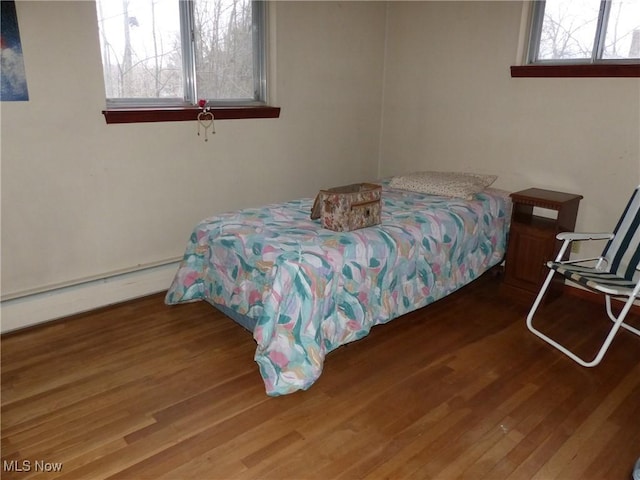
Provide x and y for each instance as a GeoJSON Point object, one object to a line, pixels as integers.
{"type": "Point", "coordinates": [180, 114]}
{"type": "Point", "coordinates": [591, 70]}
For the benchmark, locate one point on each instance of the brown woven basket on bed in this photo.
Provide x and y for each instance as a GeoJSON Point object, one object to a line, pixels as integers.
{"type": "Point", "coordinates": [349, 207]}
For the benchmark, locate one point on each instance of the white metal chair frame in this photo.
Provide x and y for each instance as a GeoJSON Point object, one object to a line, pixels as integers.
{"type": "Point", "coordinates": [601, 266]}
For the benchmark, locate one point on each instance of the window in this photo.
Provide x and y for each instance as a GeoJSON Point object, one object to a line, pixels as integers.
{"type": "Point", "coordinates": [587, 37]}
{"type": "Point", "coordinates": [162, 56]}
{"type": "Point", "coordinates": [585, 31]}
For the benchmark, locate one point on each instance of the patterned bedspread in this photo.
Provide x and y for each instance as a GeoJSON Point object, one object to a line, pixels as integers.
{"type": "Point", "coordinates": [312, 290]}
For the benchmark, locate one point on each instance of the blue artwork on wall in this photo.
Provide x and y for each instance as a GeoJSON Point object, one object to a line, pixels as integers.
{"type": "Point", "coordinates": [12, 74]}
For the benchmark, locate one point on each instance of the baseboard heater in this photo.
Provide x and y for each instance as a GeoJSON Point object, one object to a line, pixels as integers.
{"type": "Point", "coordinates": [30, 307]}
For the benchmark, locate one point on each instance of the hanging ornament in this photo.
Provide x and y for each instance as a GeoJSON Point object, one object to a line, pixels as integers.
{"type": "Point", "coordinates": [205, 119]}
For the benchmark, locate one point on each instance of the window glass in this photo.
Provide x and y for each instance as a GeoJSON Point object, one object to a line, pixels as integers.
{"type": "Point", "coordinates": [622, 40]}
{"type": "Point", "coordinates": [224, 49]}
{"type": "Point", "coordinates": [568, 29]}
{"type": "Point", "coordinates": [587, 31]}
{"type": "Point", "coordinates": [141, 52]}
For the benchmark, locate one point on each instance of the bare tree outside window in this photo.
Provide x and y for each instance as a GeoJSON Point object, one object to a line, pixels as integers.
{"type": "Point", "coordinates": [585, 30]}
{"type": "Point", "coordinates": [224, 53]}
{"type": "Point", "coordinates": [623, 30]}
{"type": "Point", "coordinates": [141, 54]}
{"type": "Point", "coordinates": [568, 29]}
{"type": "Point", "coordinates": [142, 45]}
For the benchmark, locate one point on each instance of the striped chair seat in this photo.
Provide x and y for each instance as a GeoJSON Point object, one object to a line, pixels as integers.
{"type": "Point", "coordinates": [604, 282]}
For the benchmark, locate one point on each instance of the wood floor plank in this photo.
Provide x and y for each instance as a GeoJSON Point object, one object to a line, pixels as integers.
{"type": "Point", "coordinates": [459, 389]}
{"type": "Point", "coordinates": [589, 436]}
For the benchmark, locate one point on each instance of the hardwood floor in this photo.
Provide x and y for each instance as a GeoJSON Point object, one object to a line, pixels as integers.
{"type": "Point", "coordinates": [459, 389]}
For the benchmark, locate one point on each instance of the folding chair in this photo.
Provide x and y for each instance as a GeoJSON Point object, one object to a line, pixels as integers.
{"type": "Point", "coordinates": [614, 274]}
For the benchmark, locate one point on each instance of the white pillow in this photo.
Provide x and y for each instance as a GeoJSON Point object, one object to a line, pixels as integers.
{"type": "Point", "coordinates": [447, 184]}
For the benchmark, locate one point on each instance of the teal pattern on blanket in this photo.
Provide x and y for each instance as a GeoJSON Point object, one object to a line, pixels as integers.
{"type": "Point", "coordinates": [312, 290]}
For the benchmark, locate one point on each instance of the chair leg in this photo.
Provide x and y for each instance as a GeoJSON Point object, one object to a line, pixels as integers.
{"type": "Point", "coordinates": [538, 299]}
{"type": "Point", "coordinates": [613, 317]}
{"type": "Point", "coordinates": [617, 323]}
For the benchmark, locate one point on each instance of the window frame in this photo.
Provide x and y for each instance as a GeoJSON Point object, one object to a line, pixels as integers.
{"type": "Point", "coordinates": [595, 66]}
{"type": "Point", "coordinates": [134, 110]}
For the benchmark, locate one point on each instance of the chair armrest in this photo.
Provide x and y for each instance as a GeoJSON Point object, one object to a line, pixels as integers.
{"type": "Point", "coordinates": [571, 236]}
{"type": "Point", "coordinates": [580, 260]}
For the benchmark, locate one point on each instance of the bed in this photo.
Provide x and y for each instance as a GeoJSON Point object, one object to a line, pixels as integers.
{"type": "Point", "coordinates": [304, 291]}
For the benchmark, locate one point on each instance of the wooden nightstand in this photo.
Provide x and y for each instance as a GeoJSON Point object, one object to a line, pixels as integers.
{"type": "Point", "coordinates": [532, 240]}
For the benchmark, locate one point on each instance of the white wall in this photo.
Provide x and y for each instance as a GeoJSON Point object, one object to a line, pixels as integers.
{"type": "Point", "coordinates": [450, 104]}
{"type": "Point", "coordinates": [82, 199]}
